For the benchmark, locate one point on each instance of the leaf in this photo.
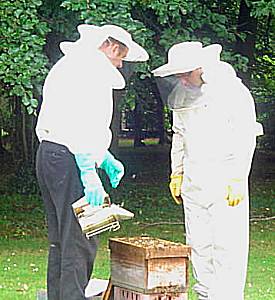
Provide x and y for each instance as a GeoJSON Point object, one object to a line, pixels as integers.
{"type": "Point", "coordinates": [18, 12]}
{"type": "Point", "coordinates": [34, 102]}
{"type": "Point", "coordinates": [30, 110]}
{"type": "Point", "coordinates": [25, 100]}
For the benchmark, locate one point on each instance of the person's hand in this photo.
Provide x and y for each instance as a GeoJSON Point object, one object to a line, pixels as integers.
{"type": "Point", "coordinates": [93, 188]}
{"type": "Point", "coordinates": [113, 168]}
{"type": "Point", "coordinates": [235, 191]}
{"type": "Point", "coordinates": [175, 187]}
{"type": "Point", "coordinates": [95, 193]}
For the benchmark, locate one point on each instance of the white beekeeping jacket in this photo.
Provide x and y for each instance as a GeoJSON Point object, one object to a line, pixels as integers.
{"type": "Point", "coordinates": [220, 133]}
{"type": "Point", "coordinates": [77, 101]}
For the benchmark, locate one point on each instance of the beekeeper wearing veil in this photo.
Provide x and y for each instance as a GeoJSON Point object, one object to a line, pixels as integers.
{"type": "Point", "coordinates": [214, 137]}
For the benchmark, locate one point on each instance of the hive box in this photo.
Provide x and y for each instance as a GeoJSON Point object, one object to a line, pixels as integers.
{"type": "Point", "coordinates": [122, 294]}
{"type": "Point", "coordinates": [149, 265]}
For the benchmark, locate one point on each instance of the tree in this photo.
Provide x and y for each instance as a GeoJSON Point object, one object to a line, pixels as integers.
{"type": "Point", "coordinates": [22, 66]}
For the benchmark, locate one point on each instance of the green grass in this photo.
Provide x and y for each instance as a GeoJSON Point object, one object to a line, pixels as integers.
{"type": "Point", "coordinates": [144, 190]}
{"type": "Point", "coordinates": [23, 268]}
{"type": "Point", "coordinates": [128, 142]}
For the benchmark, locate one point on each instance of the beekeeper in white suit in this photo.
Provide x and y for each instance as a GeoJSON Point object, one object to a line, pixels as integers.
{"type": "Point", "coordinates": [74, 127]}
{"type": "Point", "coordinates": [214, 137]}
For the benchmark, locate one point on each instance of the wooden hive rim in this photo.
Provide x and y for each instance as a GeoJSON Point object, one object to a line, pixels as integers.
{"type": "Point", "coordinates": [158, 247]}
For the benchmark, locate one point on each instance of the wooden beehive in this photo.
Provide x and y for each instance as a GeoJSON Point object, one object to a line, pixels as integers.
{"type": "Point", "coordinates": [123, 294]}
{"type": "Point", "coordinates": [149, 265]}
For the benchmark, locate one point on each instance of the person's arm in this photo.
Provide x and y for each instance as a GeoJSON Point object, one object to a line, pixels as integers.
{"type": "Point", "coordinates": [177, 155]}
{"type": "Point", "coordinates": [177, 149]}
{"type": "Point", "coordinates": [245, 129]}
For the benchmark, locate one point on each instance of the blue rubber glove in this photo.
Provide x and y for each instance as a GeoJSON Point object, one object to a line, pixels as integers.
{"type": "Point", "coordinates": [113, 168]}
{"type": "Point", "coordinates": [93, 189]}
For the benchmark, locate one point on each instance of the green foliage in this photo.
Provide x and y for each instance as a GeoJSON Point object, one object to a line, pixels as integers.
{"type": "Point", "coordinates": [263, 8]}
{"type": "Point", "coordinates": [264, 84]}
{"type": "Point", "coordinates": [22, 63]}
{"type": "Point", "coordinates": [237, 60]}
{"type": "Point", "coordinates": [60, 21]}
{"type": "Point", "coordinates": [23, 181]}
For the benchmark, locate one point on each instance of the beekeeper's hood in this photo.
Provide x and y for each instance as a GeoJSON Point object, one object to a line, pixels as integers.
{"type": "Point", "coordinates": [92, 37]}
{"type": "Point", "coordinates": [183, 58]}
{"type": "Point", "coordinates": [221, 73]}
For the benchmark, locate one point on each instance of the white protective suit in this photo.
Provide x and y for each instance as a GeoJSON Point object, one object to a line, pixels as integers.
{"type": "Point", "coordinates": [81, 85]}
{"type": "Point", "coordinates": [213, 143]}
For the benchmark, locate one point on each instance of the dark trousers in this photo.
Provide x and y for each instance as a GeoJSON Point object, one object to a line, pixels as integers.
{"type": "Point", "coordinates": [71, 254]}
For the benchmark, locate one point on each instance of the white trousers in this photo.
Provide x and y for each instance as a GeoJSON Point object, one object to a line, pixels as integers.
{"type": "Point", "coordinates": [219, 237]}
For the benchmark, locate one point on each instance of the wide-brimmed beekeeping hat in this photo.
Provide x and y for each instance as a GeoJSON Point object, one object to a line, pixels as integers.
{"type": "Point", "coordinates": [136, 52]}
{"type": "Point", "coordinates": [188, 56]}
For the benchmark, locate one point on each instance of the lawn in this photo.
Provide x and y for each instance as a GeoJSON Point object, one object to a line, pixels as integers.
{"type": "Point", "coordinates": [144, 190]}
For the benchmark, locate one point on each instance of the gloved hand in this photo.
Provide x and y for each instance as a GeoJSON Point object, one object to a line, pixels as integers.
{"type": "Point", "coordinates": [93, 189]}
{"type": "Point", "coordinates": [113, 168]}
{"type": "Point", "coordinates": [235, 191]}
{"type": "Point", "coordinates": [175, 187]}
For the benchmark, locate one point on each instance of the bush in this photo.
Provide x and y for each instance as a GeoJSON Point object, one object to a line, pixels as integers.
{"type": "Point", "coordinates": [23, 181]}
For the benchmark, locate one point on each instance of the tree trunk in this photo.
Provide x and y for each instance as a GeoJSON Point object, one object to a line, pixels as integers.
{"type": "Point", "coordinates": [51, 48]}
{"type": "Point", "coordinates": [138, 125]}
{"type": "Point", "coordinates": [160, 113]}
{"type": "Point", "coordinates": [2, 149]}
{"type": "Point", "coordinates": [33, 139]}
{"type": "Point", "coordinates": [24, 135]}
{"type": "Point", "coordinates": [16, 136]}
{"type": "Point", "coordinates": [248, 25]}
